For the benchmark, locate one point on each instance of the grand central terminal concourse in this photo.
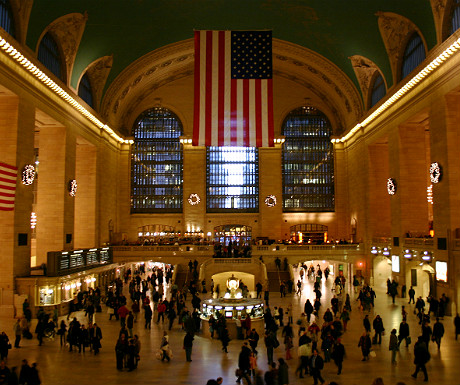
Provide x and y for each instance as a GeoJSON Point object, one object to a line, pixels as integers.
{"type": "Point", "coordinates": [229, 192]}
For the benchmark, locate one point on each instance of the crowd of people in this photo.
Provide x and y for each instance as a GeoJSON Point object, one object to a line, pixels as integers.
{"type": "Point", "coordinates": [317, 335]}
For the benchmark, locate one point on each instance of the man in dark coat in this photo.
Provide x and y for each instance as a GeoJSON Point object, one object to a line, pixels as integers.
{"type": "Point", "coordinates": [244, 365]}
{"type": "Point", "coordinates": [421, 357]}
{"type": "Point", "coordinates": [316, 365]}
{"type": "Point", "coordinates": [378, 329]}
{"type": "Point", "coordinates": [338, 353]}
{"type": "Point", "coordinates": [403, 332]}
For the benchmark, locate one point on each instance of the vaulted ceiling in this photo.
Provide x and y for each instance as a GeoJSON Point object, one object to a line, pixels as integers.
{"type": "Point", "coordinates": [309, 36]}
{"type": "Point", "coordinates": [129, 29]}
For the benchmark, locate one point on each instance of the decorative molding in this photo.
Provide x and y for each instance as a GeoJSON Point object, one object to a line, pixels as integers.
{"type": "Point", "coordinates": [365, 70]}
{"type": "Point", "coordinates": [395, 31]}
{"type": "Point", "coordinates": [98, 72]}
{"type": "Point", "coordinates": [68, 31]}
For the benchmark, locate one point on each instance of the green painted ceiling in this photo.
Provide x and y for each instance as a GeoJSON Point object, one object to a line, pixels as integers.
{"type": "Point", "coordinates": [129, 29]}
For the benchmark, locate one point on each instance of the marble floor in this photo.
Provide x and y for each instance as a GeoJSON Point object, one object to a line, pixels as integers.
{"type": "Point", "coordinates": [59, 366]}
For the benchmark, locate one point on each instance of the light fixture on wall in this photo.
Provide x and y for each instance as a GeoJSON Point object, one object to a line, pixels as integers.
{"type": "Point", "coordinates": [374, 250]}
{"type": "Point", "coordinates": [408, 254]}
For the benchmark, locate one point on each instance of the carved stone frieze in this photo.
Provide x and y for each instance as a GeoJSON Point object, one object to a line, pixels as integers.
{"type": "Point", "coordinates": [68, 31]}
{"type": "Point", "coordinates": [98, 72]}
{"type": "Point", "coordinates": [395, 30]}
{"type": "Point", "coordinates": [364, 71]}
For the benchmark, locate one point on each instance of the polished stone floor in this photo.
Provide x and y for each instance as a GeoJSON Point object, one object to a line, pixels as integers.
{"type": "Point", "coordinates": [58, 366]}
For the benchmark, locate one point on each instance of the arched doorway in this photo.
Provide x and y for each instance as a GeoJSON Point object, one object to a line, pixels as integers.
{"type": "Point", "coordinates": [382, 271]}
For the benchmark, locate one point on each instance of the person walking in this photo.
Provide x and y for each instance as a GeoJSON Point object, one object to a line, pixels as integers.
{"type": "Point", "coordinates": [404, 333]}
{"type": "Point", "coordinates": [188, 345]}
{"type": "Point", "coordinates": [164, 347]}
{"type": "Point", "coordinates": [438, 332]}
{"type": "Point", "coordinates": [457, 325]}
{"type": "Point", "coordinates": [338, 354]}
{"type": "Point", "coordinates": [17, 333]}
{"type": "Point", "coordinates": [378, 329]}
{"type": "Point", "coordinates": [393, 346]}
{"type": "Point", "coordinates": [411, 293]}
{"type": "Point", "coordinates": [283, 372]}
{"type": "Point", "coordinates": [421, 357]}
{"type": "Point", "coordinates": [316, 365]}
{"type": "Point", "coordinates": [365, 345]}
{"type": "Point", "coordinates": [244, 364]}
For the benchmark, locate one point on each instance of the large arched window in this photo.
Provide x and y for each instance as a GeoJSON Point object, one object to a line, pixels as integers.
{"type": "Point", "coordinates": [85, 90]}
{"type": "Point", "coordinates": [455, 20]}
{"type": "Point", "coordinates": [156, 163]}
{"type": "Point", "coordinates": [6, 17]}
{"type": "Point", "coordinates": [378, 90]}
{"type": "Point", "coordinates": [414, 54]}
{"type": "Point", "coordinates": [232, 179]}
{"type": "Point", "coordinates": [308, 162]}
{"type": "Point", "coordinates": [50, 56]}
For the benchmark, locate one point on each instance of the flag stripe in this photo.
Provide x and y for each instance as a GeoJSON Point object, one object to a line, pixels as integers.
{"type": "Point", "coordinates": [230, 110]}
{"type": "Point", "coordinates": [258, 117]}
{"type": "Point", "coordinates": [197, 87]}
{"type": "Point", "coordinates": [209, 86]}
{"type": "Point", "coordinates": [221, 89]}
{"type": "Point", "coordinates": [8, 176]}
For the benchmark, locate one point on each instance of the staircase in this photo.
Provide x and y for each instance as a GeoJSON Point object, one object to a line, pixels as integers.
{"type": "Point", "coordinates": [274, 278]}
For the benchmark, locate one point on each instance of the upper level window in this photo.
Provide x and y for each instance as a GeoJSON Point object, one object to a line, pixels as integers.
{"type": "Point", "coordinates": [232, 179]}
{"type": "Point", "coordinates": [455, 16]}
{"type": "Point", "coordinates": [378, 90]}
{"type": "Point", "coordinates": [85, 90]}
{"type": "Point", "coordinates": [414, 54]}
{"type": "Point", "coordinates": [49, 55]}
{"type": "Point", "coordinates": [156, 163]}
{"type": "Point", "coordinates": [308, 162]}
{"type": "Point", "coordinates": [6, 17]}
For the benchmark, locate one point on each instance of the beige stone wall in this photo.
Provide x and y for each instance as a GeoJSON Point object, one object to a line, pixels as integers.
{"type": "Point", "coordinates": [379, 200]}
{"type": "Point", "coordinates": [85, 200]}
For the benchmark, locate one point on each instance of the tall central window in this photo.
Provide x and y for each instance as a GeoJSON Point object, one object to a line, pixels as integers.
{"type": "Point", "coordinates": [232, 179]}
{"type": "Point", "coordinates": [156, 163]}
{"type": "Point", "coordinates": [308, 162]}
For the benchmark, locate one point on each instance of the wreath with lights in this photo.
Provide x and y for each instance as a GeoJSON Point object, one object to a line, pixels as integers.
{"type": "Point", "coordinates": [73, 187]}
{"type": "Point", "coordinates": [391, 186]}
{"type": "Point", "coordinates": [435, 172]}
{"type": "Point", "coordinates": [194, 199]}
{"type": "Point", "coordinates": [270, 200]}
{"type": "Point", "coordinates": [28, 175]}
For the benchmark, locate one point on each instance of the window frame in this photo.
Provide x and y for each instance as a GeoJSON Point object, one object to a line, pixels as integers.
{"type": "Point", "coordinates": [293, 170]}
{"type": "Point", "coordinates": [212, 199]}
{"type": "Point", "coordinates": [162, 154]}
{"type": "Point", "coordinates": [408, 54]}
{"type": "Point", "coordinates": [58, 56]}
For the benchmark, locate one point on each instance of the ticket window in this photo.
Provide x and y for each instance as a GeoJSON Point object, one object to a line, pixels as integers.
{"type": "Point", "coordinates": [46, 295]}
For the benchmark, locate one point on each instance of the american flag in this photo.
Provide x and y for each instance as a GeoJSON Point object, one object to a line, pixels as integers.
{"type": "Point", "coordinates": [233, 89]}
{"type": "Point", "coordinates": [8, 175]}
